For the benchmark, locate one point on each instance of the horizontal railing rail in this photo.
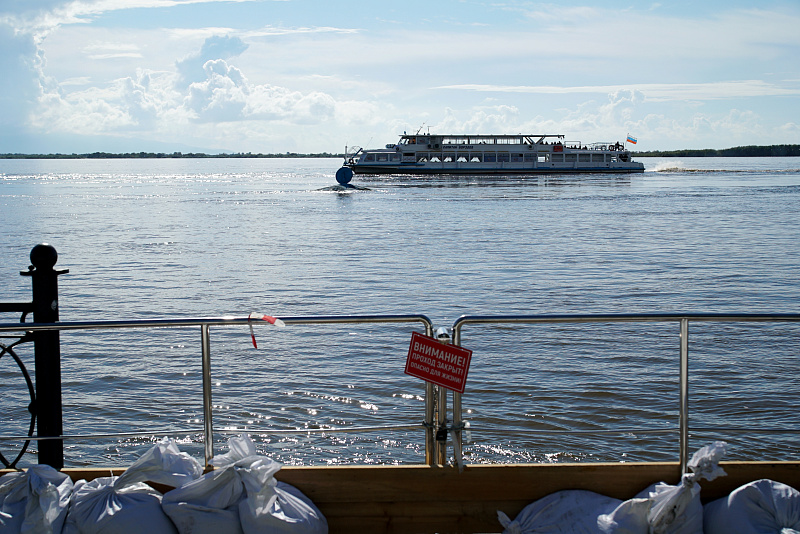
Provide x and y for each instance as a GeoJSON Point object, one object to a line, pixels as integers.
{"type": "Point", "coordinates": [682, 319]}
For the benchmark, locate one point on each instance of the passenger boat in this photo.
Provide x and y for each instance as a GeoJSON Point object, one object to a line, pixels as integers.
{"type": "Point", "coordinates": [491, 154]}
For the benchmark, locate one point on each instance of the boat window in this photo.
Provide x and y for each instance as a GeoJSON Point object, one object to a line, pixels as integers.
{"type": "Point", "coordinates": [369, 157]}
{"type": "Point", "coordinates": [583, 157]}
{"type": "Point", "coordinates": [394, 157]}
{"type": "Point", "coordinates": [462, 159]}
{"type": "Point", "coordinates": [490, 157]}
{"type": "Point", "coordinates": [516, 157]}
{"type": "Point", "coordinates": [422, 157]}
{"type": "Point", "coordinates": [598, 158]}
{"type": "Point", "coordinates": [558, 158]}
{"type": "Point", "coordinates": [436, 158]}
{"type": "Point", "coordinates": [383, 157]}
{"type": "Point", "coordinates": [503, 157]}
{"type": "Point", "coordinates": [476, 157]}
{"type": "Point", "coordinates": [455, 141]}
{"type": "Point", "coordinates": [449, 157]}
{"type": "Point", "coordinates": [570, 158]}
{"type": "Point", "coordinates": [529, 157]}
{"type": "Point", "coordinates": [543, 157]}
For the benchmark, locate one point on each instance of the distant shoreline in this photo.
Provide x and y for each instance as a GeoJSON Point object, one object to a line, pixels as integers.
{"type": "Point", "coordinates": [741, 151]}
{"type": "Point", "coordinates": [161, 155]}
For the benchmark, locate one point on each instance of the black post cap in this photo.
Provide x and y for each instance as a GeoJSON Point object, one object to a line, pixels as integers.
{"type": "Point", "coordinates": [44, 256]}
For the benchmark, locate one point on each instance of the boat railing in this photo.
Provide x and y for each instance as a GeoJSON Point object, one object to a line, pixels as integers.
{"type": "Point", "coordinates": [435, 419]}
{"type": "Point", "coordinates": [205, 324]}
{"type": "Point", "coordinates": [679, 319]}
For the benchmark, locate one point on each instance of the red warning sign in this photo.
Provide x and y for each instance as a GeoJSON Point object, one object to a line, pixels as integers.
{"type": "Point", "coordinates": [431, 360]}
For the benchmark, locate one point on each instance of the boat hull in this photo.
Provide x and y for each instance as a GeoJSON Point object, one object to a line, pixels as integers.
{"type": "Point", "coordinates": [474, 171]}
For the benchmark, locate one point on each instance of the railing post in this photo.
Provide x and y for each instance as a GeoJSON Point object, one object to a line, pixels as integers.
{"type": "Point", "coordinates": [458, 444]}
{"type": "Point", "coordinates": [47, 354]}
{"type": "Point", "coordinates": [208, 427]}
{"type": "Point", "coordinates": [441, 422]}
{"type": "Point", "coordinates": [430, 424]}
{"type": "Point", "coordinates": [684, 393]}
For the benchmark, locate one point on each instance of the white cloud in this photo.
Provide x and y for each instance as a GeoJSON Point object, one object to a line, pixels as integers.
{"type": "Point", "coordinates": [193, 67]}
{"type": "Point", "coordinates": [656, 92]}
{"type": "Point", "coordinates": [20, 67]}
{"type": "Point", "coordinates": [42, 15]}
{"type": "Point", "coordinates": [594, 73]}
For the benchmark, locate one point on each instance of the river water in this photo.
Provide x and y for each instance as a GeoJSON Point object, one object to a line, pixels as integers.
{"type": "Point", "coordinates": [182, 238]}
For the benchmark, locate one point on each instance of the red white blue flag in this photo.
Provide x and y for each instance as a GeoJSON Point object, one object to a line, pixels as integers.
{"type": "Point", "coordinates": [631, 139]}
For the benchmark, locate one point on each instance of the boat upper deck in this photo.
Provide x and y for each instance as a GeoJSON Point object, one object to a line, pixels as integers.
{"type": "Point", "coordinates": [469, 142]}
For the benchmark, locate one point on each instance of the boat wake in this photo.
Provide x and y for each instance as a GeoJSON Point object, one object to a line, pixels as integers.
{"type": "Point", "coordinates": [680, 167]}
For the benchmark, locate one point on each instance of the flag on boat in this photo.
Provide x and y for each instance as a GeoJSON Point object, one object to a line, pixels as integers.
{"type": "Point", "coordinates": [631, 139]}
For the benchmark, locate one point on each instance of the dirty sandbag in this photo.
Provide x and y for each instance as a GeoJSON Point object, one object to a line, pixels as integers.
{"type": "Point", "coordinates": [242, 495]}
{"type": "Point", "coordinates": [34, 501]}
{"type": "Point", "coordinates": [677, 509]}
{"type": "Point", "coordinates": [125, 504]}
{"type": "Point", "coordinates": [760, 507]}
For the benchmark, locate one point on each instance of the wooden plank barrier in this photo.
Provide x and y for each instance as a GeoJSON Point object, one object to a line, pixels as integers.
{"type": "Point", "coordinates": [418, 498]}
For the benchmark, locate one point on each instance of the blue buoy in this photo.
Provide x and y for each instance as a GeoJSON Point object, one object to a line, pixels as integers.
{"type": "Point", "coordinates": [344, 175]}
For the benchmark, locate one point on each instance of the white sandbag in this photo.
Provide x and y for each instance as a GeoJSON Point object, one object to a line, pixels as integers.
{"type": "Point", "coordinates": [242, 496]}
{"type": "Point", "coordinates": [164, 464]}
{"type": "Point", "coordinates": [34, 501]}
{"type": "Point", "coordinates": [659, 509]}
{"type": "Point", "coordinates": [760, 507]}
{"type": "Point", "coordinates": [568, 511]}
{"type": "Point", "coordinates": [100, 507]}
{"type": "Point", "coordinates": [125, 504]}
{"type": "Point", "coordinates": [273, 506]}
{"type": "Point", "coordinates": [207, 505]}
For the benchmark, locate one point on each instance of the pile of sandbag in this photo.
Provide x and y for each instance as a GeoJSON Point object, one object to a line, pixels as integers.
{"type": "Point", "coordinates": [760, 507]}
{"type": "Point", "coordinates": [241, 495]}
{"type": "Point", "coordinates": [659, 509]}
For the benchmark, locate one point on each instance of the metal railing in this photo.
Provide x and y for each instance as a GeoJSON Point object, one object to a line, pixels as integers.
{"type": "Point", "coordinates": [435, 396]}
{"type": "Point", "coordinates": [433, 414]}
{"type": "Point", "coordinates": [682, 319]}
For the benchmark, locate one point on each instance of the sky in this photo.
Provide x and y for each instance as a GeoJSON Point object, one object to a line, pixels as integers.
{"type": "Point", "coordinates": [274, 76]}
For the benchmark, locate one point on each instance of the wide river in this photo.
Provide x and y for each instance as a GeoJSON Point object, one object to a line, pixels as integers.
{"type": "Point", "coordinates": [179, 238]}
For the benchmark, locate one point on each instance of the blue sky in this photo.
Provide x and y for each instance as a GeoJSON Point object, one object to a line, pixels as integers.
{"type": "Point", "coordinates": [313, 76]}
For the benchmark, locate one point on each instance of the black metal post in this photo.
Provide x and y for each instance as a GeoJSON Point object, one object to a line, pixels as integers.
{"type": "Point", "coordinates": [47, 353]}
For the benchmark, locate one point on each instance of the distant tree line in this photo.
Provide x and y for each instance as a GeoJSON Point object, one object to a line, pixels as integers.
{"type": "Point", "coordinates": [162, 155]}
{"type": "Point", "coordinates": [739, 151]}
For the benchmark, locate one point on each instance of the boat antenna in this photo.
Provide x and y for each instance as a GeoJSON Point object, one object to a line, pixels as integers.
{"type": "Point", "coordinates": [421, 127]}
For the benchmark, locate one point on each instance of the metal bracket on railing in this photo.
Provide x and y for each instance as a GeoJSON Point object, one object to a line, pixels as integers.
{"type": "Point", "coordinates": [9, 349]}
